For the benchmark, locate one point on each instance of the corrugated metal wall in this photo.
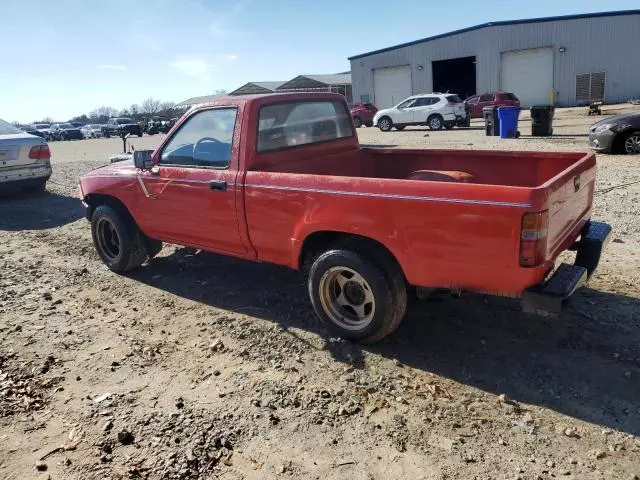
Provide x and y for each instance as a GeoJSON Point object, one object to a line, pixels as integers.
{"type": "Point", "coordinates": [602, 44]}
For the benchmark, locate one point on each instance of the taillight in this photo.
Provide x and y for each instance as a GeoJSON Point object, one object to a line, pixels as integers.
{"type": "Point", "coordinates": [40, 152]}
{"type": "Point", "coordinates": [533, 238]}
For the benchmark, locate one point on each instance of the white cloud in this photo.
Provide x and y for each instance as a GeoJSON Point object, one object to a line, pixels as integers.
{"type": "Point", "coordinates": [107, 66]}
{"type": "Point", "coordinates": [193, 67]}
{"type": "Point", "coordinates": [231, 56]}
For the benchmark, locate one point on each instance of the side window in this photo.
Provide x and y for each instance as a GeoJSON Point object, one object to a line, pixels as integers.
{"type": "Point", "coordinates": [487, 97]}
{"type": "Point", "coordinates": [204, 140]}
{"type": "Point", "coordinates": [472, 100]}
{"type": "Point", "coordinates": [407, 103]}
{"type": "Point", "coordinates": [285, 125]}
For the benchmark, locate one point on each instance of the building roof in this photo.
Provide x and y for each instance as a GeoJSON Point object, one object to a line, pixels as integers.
{"type": "Point", "coordinates": [257, 87]}
{"type": "Point", "coordinates": [501, 23]}
{"type": "Point", "coordinates": [316, 81]}
{"type": "Point", "coordinates": [196, 100]}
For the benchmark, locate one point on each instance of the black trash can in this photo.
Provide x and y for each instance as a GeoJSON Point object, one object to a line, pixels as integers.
{"type": "Point", "coordinates": [542, 120]}
{"type": "Point", "coordinates": [491, 121]}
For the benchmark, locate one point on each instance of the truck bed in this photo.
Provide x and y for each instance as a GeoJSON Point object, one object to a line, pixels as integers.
{"type": "Point", "coordinates": [515, 169]}
{"type": "Point", "coordinates": [465, 203]}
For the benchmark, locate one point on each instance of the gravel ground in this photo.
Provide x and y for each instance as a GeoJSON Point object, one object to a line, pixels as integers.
{"type": "Point", "coordinates": [200, 366]}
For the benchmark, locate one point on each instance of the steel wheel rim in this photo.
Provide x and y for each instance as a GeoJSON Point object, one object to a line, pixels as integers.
{"type": "Point", "coordinates": [347, 298]}
{"type": "Point", "coordinates": [385, 124]}
{"type": "Point", "coordinates": [108, 238]}
{"type": "Point", "coordinates": [435, 123]}
{"type": "Point", "coordinates": [357, 122]}
{"type": "Point", "coordinates": [632, 144]}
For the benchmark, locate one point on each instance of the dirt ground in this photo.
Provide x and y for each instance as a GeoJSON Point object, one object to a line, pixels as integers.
{"type": "Point", "coordinates": [200, 366]}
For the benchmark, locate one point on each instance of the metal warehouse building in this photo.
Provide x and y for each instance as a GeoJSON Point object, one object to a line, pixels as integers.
{"type": "Point", "coordinates": [568, 60]}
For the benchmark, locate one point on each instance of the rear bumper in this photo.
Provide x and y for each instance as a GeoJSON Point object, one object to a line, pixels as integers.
{"type": "Point", "coordinates": [549, 297]}
{"type": "Point", "coordinates": [28, 175]}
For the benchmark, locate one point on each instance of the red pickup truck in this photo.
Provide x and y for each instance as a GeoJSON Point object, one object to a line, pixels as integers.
{"type": "Point", "coordinates": [282, 179]}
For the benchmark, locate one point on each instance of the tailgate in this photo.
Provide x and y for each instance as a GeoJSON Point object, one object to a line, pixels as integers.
{"type": "Point", "coordinates": [14, 150]}
{"type": "Point", "coordinates": [570, 201]}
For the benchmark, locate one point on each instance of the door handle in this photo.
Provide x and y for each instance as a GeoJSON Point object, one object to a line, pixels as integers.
{"type": "Point", "coordinates": [218, 186]}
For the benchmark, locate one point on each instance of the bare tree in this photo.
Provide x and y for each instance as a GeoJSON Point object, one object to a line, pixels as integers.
{"type": "Point", "coordinates": [134, 109]}
{"type": "Point", "coordinates": [101, 114]}
{"type": "Point", "coordinates": [150, 106]}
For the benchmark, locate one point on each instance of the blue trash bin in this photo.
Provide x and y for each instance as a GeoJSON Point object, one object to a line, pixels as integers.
{"type": "Point", "coordinates": [509, 121]}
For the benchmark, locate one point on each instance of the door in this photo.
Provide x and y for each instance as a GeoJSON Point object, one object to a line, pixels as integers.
{"type": "Point", "coordinates": [404, 113]}
{"type": "Point", "coordinates": [422, 108]}
{"type": "Point", "coordinates": [529, 75]}
{"type": "Point", "coordinates": [190, 195]}
{"type": "Point", "coordinates": [486, 100]}
{"type": "Point", "coordinates": [391, 85]}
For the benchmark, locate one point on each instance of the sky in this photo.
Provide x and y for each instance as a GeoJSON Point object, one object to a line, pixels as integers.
{"type": "Point", "coordinates": [64, 58]}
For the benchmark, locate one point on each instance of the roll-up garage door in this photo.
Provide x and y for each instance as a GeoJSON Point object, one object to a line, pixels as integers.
{"type": "Point", "coordinates": [391, 85]}
{"type": "Point", "coordinates": [528, 74]}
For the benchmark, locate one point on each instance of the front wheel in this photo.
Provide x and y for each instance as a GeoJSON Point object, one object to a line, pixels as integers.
{"type": "Point", "coordinates": [385, 124]}
{"type": "Point", "coordinates": [117, 239]}
{"type": "Point", "coordinates": [435, 122]}
{"type": "Point", "coordinates": [107, 135]}
{"type": "Point", "coordinates": [357, 122]}
{"type": "Point", "coordinates": [353, 296]}
{"type": "Point", "coordinates": [632, 143]}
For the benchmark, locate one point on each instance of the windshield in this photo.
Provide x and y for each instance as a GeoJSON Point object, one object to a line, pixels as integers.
{"type": "Point", "coordinates": [122, 121]}
{"type": "Point", "coordinates": [7, 129]}
{"type": "Point", "coordinates": [42, 125]}
{"type": "Point", "coordinates": [66, 125]}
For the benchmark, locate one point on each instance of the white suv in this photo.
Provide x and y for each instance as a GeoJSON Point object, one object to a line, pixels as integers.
{"type": "Point", "coordinates": [435, 110]}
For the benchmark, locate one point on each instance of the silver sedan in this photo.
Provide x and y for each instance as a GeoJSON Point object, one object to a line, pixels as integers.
{"type": "Point", "coordinates": [24, 159]}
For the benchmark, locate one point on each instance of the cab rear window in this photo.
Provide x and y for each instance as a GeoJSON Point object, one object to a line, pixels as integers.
{"type": "Point", "coordinates": [293, 124]}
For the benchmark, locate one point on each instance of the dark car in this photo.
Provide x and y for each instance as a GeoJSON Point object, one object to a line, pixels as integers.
{"type": "Point", "coordinates": [65, 131]}
{"type": "Point", "coordinates": [476, 103]}
{"type": "Point", "coordinates": [33, 130]}
{"type": "Point", "coordinates": [362, 113]}
{"type": "Point", "coordinates": [618, 134]}
{"type": "Point", "coordinates": [77, 124]}
{"type": "Point", "coordinates": [121, 127]}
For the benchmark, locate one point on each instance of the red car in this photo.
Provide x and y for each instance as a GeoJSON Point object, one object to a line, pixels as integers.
{"type": "Point", "coordinates": [362, 113]}
{"type": "Point", "coordinates": [282, 179]}
{"type": "Point", "coordinates": [476, 103]}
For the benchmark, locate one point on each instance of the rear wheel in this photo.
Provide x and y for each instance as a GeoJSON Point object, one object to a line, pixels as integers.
{"type": "Point", "coordinates": [354, 296]}
{"type": "Point", "coordinates": [119, 242]}
{"type": "Point", "coordinates": [357, 122]}
{"type": "Point", "coordinates": [385, 124]}
{"type": "Point", "coordinates": [632, 143]}
{"type": "Point", "coordinates": [368, 124]}
{"type": "Point", "coordinates": [435, 122]}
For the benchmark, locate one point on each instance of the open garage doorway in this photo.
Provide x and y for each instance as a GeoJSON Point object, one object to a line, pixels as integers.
{"type": "Point", "coordinates": [456, 75]}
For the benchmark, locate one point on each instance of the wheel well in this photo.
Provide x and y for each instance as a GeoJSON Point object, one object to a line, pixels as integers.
{"type": "Point", "coordinates": [618, 142]}
{"type": "Point", "coordinates": [319, 242]}
{"type": "Point", "coordinates": [94, 200]}
{"type": "Point", "coordinates": [433, 115]}
{"type": "Point", "coordinates": [385, 116]}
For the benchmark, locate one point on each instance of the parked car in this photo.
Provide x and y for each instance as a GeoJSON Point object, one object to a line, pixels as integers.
{"type": "Point", "coordinates": [33, 130]}
{"type": "Point", "coordinates": [121, 127]}
{"type": "Point", "coordinates": [435, 110]}
{"type": "Point", "coordinates": [618, 134]}
{"type": "Point", "coordinates": [362, 114]}
{"type": "Point", "coordinates": [93, 130]}
{"type": "Point", "coordinates": [65, 131]}
{"type": "Point", "coordinates": [281, 178]}
{"type": "Point", "coordinates": [24, 159]}
{"type": "Point", "coordinates": [476, 103]}
{"type": "Point", "coordinates": [44, 129]}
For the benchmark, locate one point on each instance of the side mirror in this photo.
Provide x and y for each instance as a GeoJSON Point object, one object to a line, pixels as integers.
{"type": "Point", "coordinates": [142, 159]}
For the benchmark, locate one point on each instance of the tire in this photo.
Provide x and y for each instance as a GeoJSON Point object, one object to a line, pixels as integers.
{"type": "Point", "coordinates": [385, 124]}
{"type": "Point", "coordinates": [107, 134]}
{"type": "Point", "coordinates": [118, 241]}
{"type": "Point", "coordinates": [631, 144]}
{"type": "Point", "coordinates": [153, 246]}
{"type": "Point", "coordinates": [139, 134]}
{"type": "Point", "coordinates": [448, 126]}
{"type": "Point", "coordinates": [371, 291]}
{"type": "Point", "coordinates": [400, 127]}
{"type": "Point", "coordinates": [368, 124]}
{"type": "Point", "coordinates": [357, 122]}
{"type": "Point", "coordinates": [435, 122]}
